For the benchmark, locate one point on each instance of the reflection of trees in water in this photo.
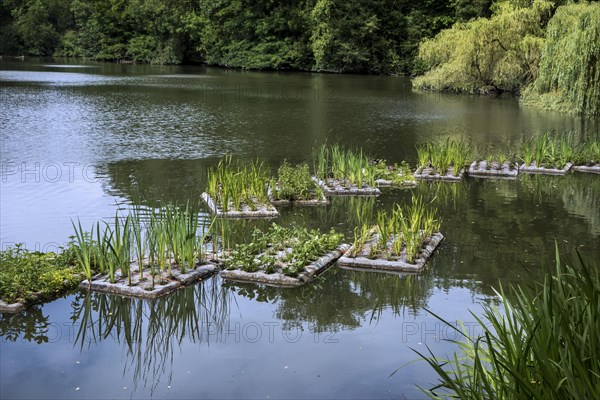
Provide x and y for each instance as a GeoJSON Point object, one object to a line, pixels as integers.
{"type": "Point", "coordinates": [154, 182]}
{"type": "Point", "coordinates": [342, 300]}
{"type": "Point", "coordinates": [30, 325]}
{"type": "Point", "coordinates": [445, 195]}
{"type": "Point", "coordinates": [579, 194]}
{"type": "Point", "coordinates": [506, 230]}
{"type": "Point", "coordinates": [346, 212]}
{"type": "Point", "coordinates": [150, 331]}
{"type": "Point", "coordinates": [398, 293]}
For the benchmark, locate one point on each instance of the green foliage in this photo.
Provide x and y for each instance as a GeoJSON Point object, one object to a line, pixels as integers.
{"type": "Point", "coordinates": [34, 28]}
{"type": "Point", "coordinates": [69, 46]}
{"type": "Point", "coordinates": [569, 71]}
{"type": "Point", "coordinates": [372, 36]}
{"type": "Point", "coordinates": [84, 250]}
{"type": "Point", "coordinates": [444, 156]}
{"type": "Point", "coordinates": [466, 10]}
{"type": "Point", "coordinates": [357, 36]}
{"type": "Point", "coordinates": [501, 52]}
{"type": "Point", "coordinates": [400, 233]}
{"type": "Point", "coordinates": [555, 150]}
{"type": "Point", "coordinates": [295, 183]}
{"type": "Point", "coordinates": [398, 174]}
{"type": "Point", "coordinates": [25, 274]}
{"type": "Point", "coordinates": [344, 165]}
{"type": "Point", "coordinates": [541, 344]}
{"type": "Point", "coordinates": [287, 250]}
{"type": "Point", "coordinates": [168, 236]}
{"type": "Point", "coordinates": [258, 35]}
{"type": "Point", "coordinates": [588, 152]}
{"type": "Point", "coordinates": [232, 184]}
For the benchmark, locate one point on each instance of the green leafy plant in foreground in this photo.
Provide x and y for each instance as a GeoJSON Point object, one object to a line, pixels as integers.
{"type": "Point", "coordinates": [542, 343]}
{"type": "Point", "coordinates": [287, 250]}
{"type": "Point", "coordinates": [25, 274]}
{"type": "Point", "coordinates": [84, 250]}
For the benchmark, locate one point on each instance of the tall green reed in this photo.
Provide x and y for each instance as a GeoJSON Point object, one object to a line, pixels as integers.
{"type": "Point", "coordinates": [231, 183]}
{"type": "Point", "coordinates": [406, 227]}
{"type": "Point", "coordinates": [542, 343]}
{"type": "Point", "coordinates": [343, 164]}
{"type": "Point", "coordinates": [441, 156]}
{"type": "Point", "coordinates": [84, 250]}
{"type": "Point", "coordinates": [550, 149]}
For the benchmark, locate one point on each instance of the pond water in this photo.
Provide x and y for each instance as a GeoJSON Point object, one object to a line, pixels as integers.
{"type": "Point", "coordinates": [81, 140]}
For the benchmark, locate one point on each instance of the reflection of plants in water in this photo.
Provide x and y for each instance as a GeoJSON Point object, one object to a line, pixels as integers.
{"type": "Point", "coordinates": [153, 182]}
{"type": "Point", "coordinates": [260, 293]}
{"type": "Point", "coordinates": [30, 325]}
{"type": "Point", "coordinates": [351, 210]}
{"type": "Point", "coordinates": [228, 232]}
{"type": "Point", "coordinates": [150, 330]}
{"type": "Point", "coordinates": [444, 194]}
{"type": "Point", "coordinates": [343, 300]}
{"type": "Point", "coordinates": [579, 194]}
{"type": "Point", "coordinates": [395, 292]}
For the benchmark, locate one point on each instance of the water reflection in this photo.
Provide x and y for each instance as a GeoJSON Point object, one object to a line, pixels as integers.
{"type": "Point", "coordinates": [342, 299]}
{"type": "Point", "coordinates": [444, 195]}
{"type": "Point", "coordinates": [151, 331]}
{"type": "Point", "coordinates": [579, 194]}
{"type": "Point", "coordinates": [154, 182]}
{"type": "Point", "coordinates": [30, 325]}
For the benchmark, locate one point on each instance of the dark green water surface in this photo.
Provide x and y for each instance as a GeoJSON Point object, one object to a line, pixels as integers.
{"type": "Point", "coordinates": [81, 140]}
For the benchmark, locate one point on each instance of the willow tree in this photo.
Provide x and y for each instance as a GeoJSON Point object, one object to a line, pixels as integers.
{"type": "Point", "coordinates": [569, 72]}
{"type": "Point", "coordinates": [497, 53]}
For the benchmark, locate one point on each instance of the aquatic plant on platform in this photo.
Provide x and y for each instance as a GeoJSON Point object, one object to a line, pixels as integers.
{"type": "Point", "coordinates": [394, 175]}
{"type": "Point", "coordinates": [494, 165]}
{"type": "Point", "coordinates": [283, 256]}
{"type": "Point", "coordinates": [549, 154]}
{"type": "Point", "coordinates": [402, 240]}
{"type": "Point", "coordinates": [167, 246]}
{"type": "Point", "coordinates": [239, 191]}
{"type": "Point", "coordinates": [340, 171]}
{"type": "Point", "coordinates": [587, 157]}
{"type": "Point", "coordinates": [442, 161]}
{"type": "Point", "coordinates": [30, 277]}
{"type": "Point", "coordinates": [294, 185]}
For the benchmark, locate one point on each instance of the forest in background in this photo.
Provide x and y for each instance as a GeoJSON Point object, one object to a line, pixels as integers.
{"type": "Point", "coordinates": [549, 51]}
{"type": "Point", "coordinates": [359, 36]}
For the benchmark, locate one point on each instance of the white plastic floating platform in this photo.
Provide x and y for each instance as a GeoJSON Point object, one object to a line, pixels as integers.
{"type": "Point", "coordinates": [533, 169]}
{"type": "Point", "coordinates": [479, 169]}
{"type": "Point", "coordinates": [142, 287]}
{"type": "Point", "coordinates": [430, 174]}
{"type": "Point", "coordinates": [262, 210]}
{"type": "Point", "coordinates": [398, 264]}
{"type": "Point", "coordinates": [593, 169]}
{"type": "Point", "coordinates": [334, 187]}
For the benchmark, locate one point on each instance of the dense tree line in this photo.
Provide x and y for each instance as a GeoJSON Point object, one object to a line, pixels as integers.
{"type": "Point", "coordinates": [548, 51]}
{"type": "Point", "coordinates": [568, 77]}
{"type": "Point", "coordinates": [371, 36]}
